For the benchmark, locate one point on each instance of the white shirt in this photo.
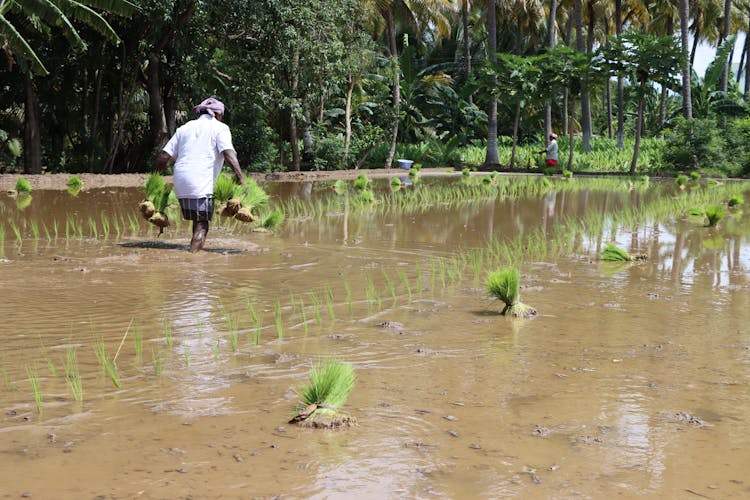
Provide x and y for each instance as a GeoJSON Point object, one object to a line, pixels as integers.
{"type": "Point", "coordinates": [552, 150]}
{"type": "Point", "coordinates": [197, 149]}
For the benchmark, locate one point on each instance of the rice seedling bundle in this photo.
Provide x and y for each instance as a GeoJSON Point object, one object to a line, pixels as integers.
{"type": "Point", "coordinates": [23, 186]}
{"type": "Point", "coordinates": [154, 207]}
{"type": "Point", "coordinates": [361, 182]}
{"type": "Point", "coordinates": [328, 388]}
{"type": "Point", "coordinates": [612, 253]}
{"type": "Point", "coordinates": [714, 213]}
{"type": "Point", "coordinates": [735, 200]}
{"type": "Point", "coordinates": [504, 284]}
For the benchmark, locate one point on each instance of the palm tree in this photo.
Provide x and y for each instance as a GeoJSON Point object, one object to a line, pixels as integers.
{"type": "Point", "coordinates": [424, 14]}
{"type": "Point", "coordinates": [58, 14]}
{"type": "Point", "coordinates": [687, 107]}
{"type": "Point", "coordinates": [492, 158]}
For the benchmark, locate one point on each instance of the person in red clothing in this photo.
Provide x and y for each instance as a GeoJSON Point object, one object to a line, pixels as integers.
{"type": "Point", "coordinates": [551, 150]}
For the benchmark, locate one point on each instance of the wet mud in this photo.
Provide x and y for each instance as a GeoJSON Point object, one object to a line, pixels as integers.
{"type": "Point", "coordinates": [631, 381]}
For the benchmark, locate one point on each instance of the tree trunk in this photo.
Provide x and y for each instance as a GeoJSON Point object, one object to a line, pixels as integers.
{"type": "Point", "coordinates": [467, 44]}
{"type": "Point", "coordinates": [157, 120]}
{"type": "Point", "coordinates": [620, 84]}
{"type": "Point", "coordinates": [585, 94]}
{"type": "Point", "coordinates": [32, 141]}
{"type": "Point", "coordinates": [550, 45]}
{"type": "Point", "coordinates": [741, 65]}
{"type": "Point", "coordinates": [308, 146]}
{"type": "Point", "coordinates": [492, 159]}
{"type": "Point", "coordinates": [571, 140]}
{"type": "Point", "coordinates": [747, 63]}
{"type": "Point", "coordinates": [293, 141]}
{"type": "Point", "coordinates": [608, 104]}
{"type": "Point", "coordinates": [390, 30]}
{"type": "Point", "coordinates": [516, 121]}
{"type": "Point", "coordinates": [663, 96]}
{"type": "Point", "coordinates": [696, 40]}
{"type": "Point", "coordinates": [723, 85]}
{"type": "Point", "coordinates": [348, 119]}
{"type": "Point", "coordinates": [687, 102]}
{"type": "Point", "coordinates": [638, 126]}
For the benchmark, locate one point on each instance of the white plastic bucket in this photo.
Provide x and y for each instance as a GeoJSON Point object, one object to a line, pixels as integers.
{"type": "Point", "coordinates": [404, 164]}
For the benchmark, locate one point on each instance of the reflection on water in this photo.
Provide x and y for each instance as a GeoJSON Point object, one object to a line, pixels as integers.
{"type": "Point", "coordinates": [452, 399]}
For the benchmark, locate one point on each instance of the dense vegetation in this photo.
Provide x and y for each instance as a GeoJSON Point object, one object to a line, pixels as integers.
{"type": "Point", "coordinates": [98, 85]}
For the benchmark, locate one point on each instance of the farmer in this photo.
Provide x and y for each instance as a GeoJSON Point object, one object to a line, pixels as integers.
{"type": "Point", "coordinates": [551, 150]}
{"type": "Point", "coordinates": [199, 149]}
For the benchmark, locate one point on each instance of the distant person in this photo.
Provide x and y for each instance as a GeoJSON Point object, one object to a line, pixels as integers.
{"type": "Point", "coordinates": [199, 149]}
{"type": "Point", "coordinates": [551, 150]}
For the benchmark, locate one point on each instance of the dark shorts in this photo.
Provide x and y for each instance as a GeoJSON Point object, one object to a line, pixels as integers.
{"type": "Point", "coordinates": [197, 209]}
{"type": "Point", "coordinates": [550, 162]}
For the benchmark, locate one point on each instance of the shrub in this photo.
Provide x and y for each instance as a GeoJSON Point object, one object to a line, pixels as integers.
{"type": "Point", "coordinates": [696, 144]}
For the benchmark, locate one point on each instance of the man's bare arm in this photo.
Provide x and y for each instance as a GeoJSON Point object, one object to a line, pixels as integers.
{"type": "Point", "coordinates": [230, 156]}
{"type": "Point", "coordinates": [161, 161]}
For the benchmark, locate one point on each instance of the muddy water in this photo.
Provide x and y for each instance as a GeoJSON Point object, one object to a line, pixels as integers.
{"type": "Point", "coordinates": [632, 380]}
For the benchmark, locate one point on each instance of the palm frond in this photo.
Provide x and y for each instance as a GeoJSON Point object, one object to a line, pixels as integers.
{"type": "Point", "coordinates": [78, 11]}
{"type": "Point", "coordinates": [20, 47]}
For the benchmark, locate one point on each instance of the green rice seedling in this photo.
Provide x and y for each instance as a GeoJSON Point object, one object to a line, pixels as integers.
{"type": "Point", "coordinates": [339, 186]}
{"type": "Point", "coordinates": [405, 282]}
{"type": "Point", "coordinates": [23, 186]}
{"type": "Point", "coordinates": [612, 253]}
{"type": "Point", "coordinates": [186, 356]}
{"type": "Point", "coordinates": [278, 320]}
{"type": "Point", "coordinates": [35, 230]}
{"type": "Point", "coordinates": [549, 171]}
{"type": "Point", "coordinates": [2, 234]}
{"type": "Point", "coordinates": [93, 228]}
{"type": "Point", "coordinates": [257, 330]}
{"type": "Point", "coordinates": [72, 374]}
{"type": "Point", "coordinates": [714, 213]}
{"type": "Point", "coordinates": [413, 173]}
{"type": "Point", "coordinates": [16, 232]}
{"type": "Point", "coordinates": [234, 340]}
{"type": "Point", "coordinates": [681, 180]}
{"type": "Point", "coordinates": [712, 182]}
{"type": "Point", "coordinates": [166, 330]}
{"type": "Point", "coordinates": [316, 306]}
{"type": "Point", "coordinates": [504, 284]}
{"type": "Point", "coordinates": [7, 383]}
{"type": "Point", "coordinates": [418, 283]}
{"type": "Point", "coordinates": [567, 174]}
{"type": "Point", "coordinates": [48, 360]}
{"type": "Point", "coordinates": [367, 197]}
{"type": "Point", "coordinates": [47, 234]}
{"type": "Point", "coordinates": [389, 284]}
{"type": "Point", "coordinates": [138, 343]}
{"type": "Point", "coordinates": [395, 183]}
{"type": "Point", "coordinates": [735, 200]}
{"type": "Point", "coordinates": [695, 175]}
{"type": "Point", "coordinates": [55, 228]}
{"type": "Point", "coordinates": [105, 224]}
{"type": "Point", "coordinates": [33, 374]}
{"type": "Point", "coordinates": [371, 292]}
{"type": "Point", "coordinates": [696, 212]}
{"type": "Point", "coordinates": [329, 303]}
{"type": "Point", "coordinates": [23, 201]}
{"type": "Point", "coordinates": [74, 182]}
{"type": "Point", "coordinates": [272, 220]}
{"type": "Point", "coordinates": [466, 172]}
{"type": "Point", "coordinates": [328, 388]}
{"type": "Point", "coordinates": [215, 349]}
{"type": "Point", "coordinates": [157, 362]}
{"type": "Point", "coordinates": [361, 182]}
{"type": "Point", "coordinates": [303, 313]}
{"type": "Point", "coordinates": [348, 297]}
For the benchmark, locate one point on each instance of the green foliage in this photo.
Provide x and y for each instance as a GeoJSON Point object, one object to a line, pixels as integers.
{"type": "Point", "coordinates": [696, 144]}
{"type": "Point", "coordinates": [23, 186]}
{"type": "Point", "coordinates": [330, 384]}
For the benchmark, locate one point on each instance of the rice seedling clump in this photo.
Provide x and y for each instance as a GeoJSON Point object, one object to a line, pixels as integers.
{"type": "Point", "coordinates": [504, 285]}
{"type": "Point", "coordinates": [714, 213]}
{"type": "Point", "coordinates": [328, 388]}
{"type": "Point", "coordinates": [23, 186]}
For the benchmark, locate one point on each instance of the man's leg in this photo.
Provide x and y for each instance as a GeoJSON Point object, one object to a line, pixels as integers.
{"type": "Point", "coordinates": [200, 230]}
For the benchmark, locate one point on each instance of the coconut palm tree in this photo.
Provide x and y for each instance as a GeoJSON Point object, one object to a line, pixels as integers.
{"type": "Point", "coordinates": [56, 14]}
{"type": "Point", "coordinates": [424, 15]}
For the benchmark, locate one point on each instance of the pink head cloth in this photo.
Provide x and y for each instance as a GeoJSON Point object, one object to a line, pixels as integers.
{"type": "Point", "coordinates": [554, 136]}
{"type": "Point", "coordinates": [211, 106]}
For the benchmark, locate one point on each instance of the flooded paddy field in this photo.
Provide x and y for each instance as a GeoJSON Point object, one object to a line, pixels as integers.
{"type": "Point", "coordinates": [130, 368]}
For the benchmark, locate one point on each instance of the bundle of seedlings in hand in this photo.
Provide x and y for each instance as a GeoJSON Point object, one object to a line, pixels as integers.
{"type": "Point", "coordinates": [612, 253]}
{"type": "Point", "coordinates": [154, 207]}
{"type": "Point", "coordinates": [251, 198]}
{"type": "Point", "coordinates": [223, 191]}
{"type": "Point", "coordinates": [504, 284]}
{"type": "Point", "coordinates": [328, 389]}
